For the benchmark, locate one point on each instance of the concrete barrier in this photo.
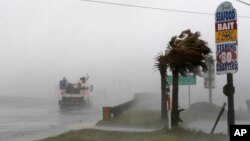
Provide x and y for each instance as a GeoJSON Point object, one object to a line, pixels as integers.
{"type": "Point", "coordinates": [116, 111]}
{"type": "Point", "coordinates": [119, 109]}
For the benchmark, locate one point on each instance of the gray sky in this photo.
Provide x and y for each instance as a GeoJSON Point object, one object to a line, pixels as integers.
{"type": "Point", "coordinates": [43, 40]}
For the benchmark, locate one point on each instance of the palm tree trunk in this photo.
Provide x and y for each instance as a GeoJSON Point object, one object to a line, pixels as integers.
{"type": "Point", "coordinates": [163, 94]}
{"type": "Point", "coordinates": [175, 115]}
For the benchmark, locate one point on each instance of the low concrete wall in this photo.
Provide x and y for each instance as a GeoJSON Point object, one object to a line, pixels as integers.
{"type": "Point", "coordinates": [116, 111]}
{"type": "Point", "coordinates": [119, 109]}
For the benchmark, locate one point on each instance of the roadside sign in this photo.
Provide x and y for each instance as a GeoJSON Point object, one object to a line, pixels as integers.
{"type": "Point", "coordinates": [206, 83]}
{"type": "Point", "coordinates": [226, 39]}
{"type": "Point", "coordinates": [209, 75]}
{"type": "Point", "coordinates": [183, 80]}
{"type": "Point", "coordinates": [226, 36]}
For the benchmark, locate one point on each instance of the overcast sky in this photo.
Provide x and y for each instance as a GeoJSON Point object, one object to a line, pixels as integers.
{"type": "Point", "coordinates": [43, 40]}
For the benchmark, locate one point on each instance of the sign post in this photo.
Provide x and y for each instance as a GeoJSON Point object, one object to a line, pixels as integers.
{"type": "Point", "coordinates": [184, 80]}
{"type": "Point", "coordinates": [209, 76]}
{"type": "Point", "coordinates": [227, 51]}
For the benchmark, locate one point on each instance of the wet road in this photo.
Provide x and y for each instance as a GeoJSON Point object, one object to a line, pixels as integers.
{"type": "Point", "coordinates": [27, 119]}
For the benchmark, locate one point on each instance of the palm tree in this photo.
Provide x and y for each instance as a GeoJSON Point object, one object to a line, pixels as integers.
{"type": "Point", "coordinates": [185, 53]}
{"type": "Point", "coordinates": [161, 64]}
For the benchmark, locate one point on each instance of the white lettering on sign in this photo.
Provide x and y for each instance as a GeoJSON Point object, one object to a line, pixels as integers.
{"type": "Point", "coordinates": [226, 57]}
{"type": "Point", "coordinates": [226, 39]}
{"type": "Point", "coordinates": [240, 132]}
{"type": "Point", "coordinates": [225, 26]}
{"type": "Point", "coordinates": [232, 67]}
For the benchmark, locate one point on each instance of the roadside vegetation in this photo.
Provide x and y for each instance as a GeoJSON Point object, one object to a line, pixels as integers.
{"type": "Point", "coordinates": [147, 119]}
{"type": "Point", "coordinates": [184, 54]}
{"type": "Point", "coordinates": [176, 134]}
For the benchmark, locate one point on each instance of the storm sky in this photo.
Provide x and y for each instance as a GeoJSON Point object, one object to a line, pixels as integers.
{"type": "Point", "coordinates": [41, 41]}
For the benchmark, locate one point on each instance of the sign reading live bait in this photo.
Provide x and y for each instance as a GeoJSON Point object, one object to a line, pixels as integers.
{"type": "Point", "coordinates": [226, 39]}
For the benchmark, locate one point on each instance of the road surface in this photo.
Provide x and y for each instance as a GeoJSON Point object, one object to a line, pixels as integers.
{"type": "Point", "coordinates": [27, 119]}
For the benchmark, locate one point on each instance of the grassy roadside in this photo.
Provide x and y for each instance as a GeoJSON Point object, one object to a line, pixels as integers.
{"type": "Point", "coordinates": [138, 119]}
{"type": "Point", "coordinates": [176, 134]}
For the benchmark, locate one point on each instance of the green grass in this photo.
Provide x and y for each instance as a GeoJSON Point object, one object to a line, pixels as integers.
{"type": "Point", "coordinates": [138, 119]}
{"type": "Point", "coordinates": [177, 134]}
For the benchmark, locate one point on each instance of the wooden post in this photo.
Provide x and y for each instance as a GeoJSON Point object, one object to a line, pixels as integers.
{"type": "Point", "coordinates": [218, 118]}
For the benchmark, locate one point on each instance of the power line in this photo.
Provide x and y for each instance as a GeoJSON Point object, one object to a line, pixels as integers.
{"type": "Point", "coordinates": [154, 8]}
{"type": "Point", "coordinates": [243, 2]}
{"type": "Point", "coordinates": [146, 7]}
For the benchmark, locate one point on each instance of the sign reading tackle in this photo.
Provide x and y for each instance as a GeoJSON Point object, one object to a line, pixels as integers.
{"type": "Point", "coordinates": [226, 39]}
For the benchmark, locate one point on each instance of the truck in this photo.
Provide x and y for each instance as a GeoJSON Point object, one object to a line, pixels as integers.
{"type": "Point", "coordinates": [75, 94]}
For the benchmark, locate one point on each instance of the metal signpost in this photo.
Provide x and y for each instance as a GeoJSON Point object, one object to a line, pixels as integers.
{"type": "Point", "coordinates": [226, 51]}
{"type": "Point", "coordinates": [184, 80]}
{"type": "Point", "coordinates": [209, 76]}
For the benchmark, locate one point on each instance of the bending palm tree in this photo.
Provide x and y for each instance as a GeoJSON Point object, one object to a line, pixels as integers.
{"type": "Point", "coordinates": [161, 64]}
{"type": "Point", "coordinates": [185, 53]}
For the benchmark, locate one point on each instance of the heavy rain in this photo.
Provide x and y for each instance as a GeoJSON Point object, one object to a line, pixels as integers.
{"type": "Point", "coordinates": [114, 44]}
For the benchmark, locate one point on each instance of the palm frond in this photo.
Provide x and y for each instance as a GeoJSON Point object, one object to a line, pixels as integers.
{"type": "Point", "coordinates": [187, 51]}
{"type": "Point", "coordinates": [161, 61]}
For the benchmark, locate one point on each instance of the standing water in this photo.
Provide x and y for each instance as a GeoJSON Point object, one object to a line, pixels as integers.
{"type": "Point", "coordinates": [26, 119]}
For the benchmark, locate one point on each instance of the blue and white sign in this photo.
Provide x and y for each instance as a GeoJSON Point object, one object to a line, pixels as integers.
{"type": "Point", "coordinates": [226, 39]}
